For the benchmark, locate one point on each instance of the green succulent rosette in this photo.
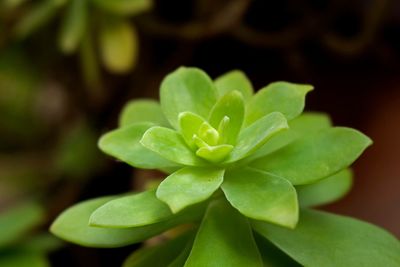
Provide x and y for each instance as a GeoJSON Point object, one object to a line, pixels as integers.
{"type": "Point", "coordinates": [242, 169]}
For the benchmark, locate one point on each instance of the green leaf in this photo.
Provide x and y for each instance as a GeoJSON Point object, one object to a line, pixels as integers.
{"type": "Point", "coordinates": [130, 211]}
{"type": "Point", "coordinates": [325, 191]}
{"type": "Point", "coordinates": [170, 145]}
{"type": "Point", "coordinates": [323, 239]}
{"type": "Point", "coordinates": [284, 97]}
{"type": "Point", "coordinates": [73, 225]}
{"type": "Point", "coordinates": [271, 255]}
{"type": "Point", "coordinates": [234, 80]}
{"type": "Point", "coordinates": [118, 45]}
{"type": "Point", "coordinates": [303, 125]}
{"type": "Point", "coordinates": [257, 134]}
{"type": "Point", "coordinates": [224, 239]}
{"type": "Point", "coordinates": [124, 7]}
{"type": "Point", "coordinates": [74, 26]}
{"type": "Point", "coordinates": [230, 105]}
{"type": "Point", "coordinates": [188, 186]}
{"type": "Point", "coordinates": [41, 13]}
{"type": "Point", "coordinates": [22, 258]}
{"type": "Point", "coordinates": [214, 154]}
{"type": "Point", "coordinates": [17, 221]}
{"type": "Point", "coordinates": [142, 110]}
{"type": "Point", "coordinates": [316, 156]}
{"type": "Point", "coordinates": [124, 144]}
{"type": "Point", "coordinates": [189, 125]}
{"type": "Point", "coordinates": [262, 196]}
{"type": "Point", "coordinates": [158, 256]}
{"type": "Point", "coordinates": [182, 257]}
{"type": "Point", "coordinates": [187, 89]}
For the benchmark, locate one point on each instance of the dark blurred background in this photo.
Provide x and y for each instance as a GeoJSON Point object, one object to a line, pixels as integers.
{"type": "Point", "coordinates": [66, 69]}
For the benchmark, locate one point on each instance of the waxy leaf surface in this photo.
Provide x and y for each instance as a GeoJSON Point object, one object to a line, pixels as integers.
{"type": "Point", "coordinates": [224, 239]}
{"type": "Point", "coordinates": [316, 156]}
{"type": "Point", "coordinates": [303, 125]}
{"type": "Point", "coordinates": [187, 89]}
{"type": "Point", "coordinates": [325, 191]}
{"type": "Point", "coordinates": [262, 196]}
{"type": "Point", "coordinates": [257, 134]}
{"type": "Point", "coordinates": [234, 80]}
{"type": "Point", "coordinates": [142, 110]}
{"type": "Point", "coordinates": [170, 145]}
{"type": "Point", "coordinates": [323, 239]}
{"type": "Point", "coordinates": [230, 105]}
{"type": "Point", "coordinates": [73, 225]}
{"type": "Point", "coordinates": [123, 143]}
{"type": "Point", "coordinates": [284, 97]}
{"type": "Point", "coordinates": [188, 186]}
{"type": "Point", "coordinates": [130, 211]}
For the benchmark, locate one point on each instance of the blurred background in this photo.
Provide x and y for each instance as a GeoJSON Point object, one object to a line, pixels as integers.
{"type": "Point", "coordinates": [68, 66]}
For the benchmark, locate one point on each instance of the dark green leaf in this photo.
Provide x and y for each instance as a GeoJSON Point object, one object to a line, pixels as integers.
{"type": "Point", "coordinates": [325, 191]}
{"type": "Point", "coordinates": [22, 258]}
{"type": "Point", "coordinates": [316, 156]}
{"type": "Point", "coordinates": [187, 89]}
{"type": "Point", "coordinates": [262, 196]}
{"type": "Point", "coordinates": [284, 97]}
{"type": "Point", "coordinates": [74, 26]}
{"type": "Point", "coordinates": [323, 239]}
{"type": "Point", "coordinates": [124, 7]}
{"type": "Point", "coordinates": [17, 221]}
{"type": "Point", "coordinates": [188, 186]}
{"type": "Point", "coordinates": [142, 110]}
{"type": "Point", "coordinates": [160, 255]}
{"type": "Point", "coordinates": [234, 80]}
{"type": "Point", "coordinates": [124, 144]}
{"type": "Point", "coordinates": [224, 239]}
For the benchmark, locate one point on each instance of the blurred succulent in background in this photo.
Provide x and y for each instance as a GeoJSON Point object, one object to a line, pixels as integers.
{"type": "Point", "coordinates": [86, 26]}
{"type": "Point", "coordinates": [244, 170]}
{"type": "Point", "coordinates": [19, 245]}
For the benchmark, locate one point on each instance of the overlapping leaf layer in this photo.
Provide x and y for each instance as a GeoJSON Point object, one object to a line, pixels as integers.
{"type": "Point", "coordinates": [235, 162]}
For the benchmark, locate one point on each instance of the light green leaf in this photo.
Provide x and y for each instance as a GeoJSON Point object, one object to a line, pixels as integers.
{"type": "Point", "coordinates": [257, 134]}
{"type": "Point", "coordinates": [262, 196]}
{"type": "Point", "coordinates": [325, 191]}
{"type": "Point", "coordinates": [323, 239]}
{"type": "Point", "coordinates": [224, 239]}
{"type": "Point", "coordinates": [41, 13]}
{"type": "Point", "coordinates": [74, 26]}
{"type": "Point", "coordinates": [316, 156]}
{"type": "Point", "coordinates": [305, 124]}
{"type": "Point", "coordinates": [142, 110]}
{"type": "Point", "coordinates": [188, 186]}
{"type": "Point", "coordinates": [189, 125]}
{"type": "Point", "coordinates": [130, 211]}
{"type": "Point", "coordinates": [284, 97]}
{"type": "Point", "coordinates": [73, 225]}
{"type": "Point", "coordinates": [214, 154]}
{"type": "Point", "coordinates": [21, 258]}
{"type": "Point", "coordinates": [124, 144]}
{"type": "Point", "coordinates": [187, 89]}
{"type": "Point", "coordinates": [17, 221]}
{"type": "Point", "coordinates": [170, 145]}
{"type": "Point", "coordinates": [118, 45]}
{"type": "Point", "coordinates": [234, 80]}
{"type": "Point", "coordinates": [230, 105]}
{"type": "Point", "coordinates": [124, 7]}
